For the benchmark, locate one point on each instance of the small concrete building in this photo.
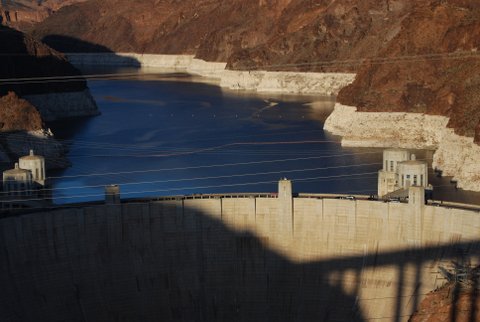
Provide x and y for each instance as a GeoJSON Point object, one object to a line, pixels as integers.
{"type": "Point", "coordinates": [17, 182]}
{"type": "Point", "coordinates": [36, 165]}
{"type": "Point", "coordinates": [400, 171]}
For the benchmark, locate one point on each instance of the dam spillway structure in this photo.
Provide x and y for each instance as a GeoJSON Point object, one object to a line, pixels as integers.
{"type": "Point", "coordinates": [231, 257]}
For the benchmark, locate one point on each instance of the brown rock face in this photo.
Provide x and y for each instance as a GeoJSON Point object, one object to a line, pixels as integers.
{"type": "Point", "coordinates": [325, 36]}
{"type": "Point", "coordinates": [17, 114]}
{"type": "Point", "coordinates": [22, 14]}
{"type": "Point", "coordinates": [432, 67]}
{"type": "Point", "coordinates": [246, 33]}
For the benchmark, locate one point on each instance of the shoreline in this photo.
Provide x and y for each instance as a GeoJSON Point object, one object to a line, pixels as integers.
{"type": "Point", "coordinates": [456, 156]}
{"type": "Point", "coordinates": [324, 84]}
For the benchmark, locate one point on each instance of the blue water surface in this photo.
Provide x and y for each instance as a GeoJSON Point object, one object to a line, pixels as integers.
{"type": "Point", "coordinates": [173, 136]}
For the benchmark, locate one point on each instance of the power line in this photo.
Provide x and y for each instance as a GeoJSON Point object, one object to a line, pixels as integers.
{"type": "Point", "coordinates": [321, 178]}
{"type": "Point", "coordinates": [385, 60]}
{"type": "Point", "coordinates": [373, 61]}
{"type": "Point", "coordinates": [172, 152]}
{"type": "Point", "coordinates": [206, 178]}
{"type": "Point", "coordinates": [20, 137]}
{"type": "Point", "coordinates": [213, 166]}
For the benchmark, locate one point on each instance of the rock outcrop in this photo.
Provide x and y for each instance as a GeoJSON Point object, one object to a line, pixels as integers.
{"type": "Point", "coordinates": [440, 305]}
{"type": "Point", "coordinates": [17, 114]}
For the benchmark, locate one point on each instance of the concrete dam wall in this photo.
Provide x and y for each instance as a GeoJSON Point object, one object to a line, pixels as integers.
{"type": "Point", "coordinates": [214, 258]}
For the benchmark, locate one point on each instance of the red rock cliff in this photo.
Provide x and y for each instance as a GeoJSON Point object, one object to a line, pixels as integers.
{"type": "Point", "coordinates": [17, 114]}
{"type": "Point", "coordinates": [22, 14]}
{"type": "Point", "coordinates": [432, 66]}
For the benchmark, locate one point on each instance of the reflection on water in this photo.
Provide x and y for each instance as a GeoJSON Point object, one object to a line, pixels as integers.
{"type": "Point", "coordinates": [170, 137]}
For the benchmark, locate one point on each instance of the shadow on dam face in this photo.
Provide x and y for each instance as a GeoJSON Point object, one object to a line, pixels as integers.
{"type": "Point", "coordinates": [160, 262]}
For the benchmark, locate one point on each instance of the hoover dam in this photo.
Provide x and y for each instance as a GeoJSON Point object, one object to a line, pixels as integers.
{"type": "Point", "coordinates": [280, 256]}
{"type": "Point", "coordinates": [396, 74]}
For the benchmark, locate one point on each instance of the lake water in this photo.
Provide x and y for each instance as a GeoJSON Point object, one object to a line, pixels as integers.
{"type": "Point", "coordinates": [161, 136]}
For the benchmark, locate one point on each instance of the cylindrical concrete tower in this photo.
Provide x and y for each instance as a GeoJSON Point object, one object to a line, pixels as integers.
{"type": "Point", "coordinates": [17, 182]}
{"type": "Point", "coordinates": [36, 165]}
{"type": "Point", "coordinates": [413, 173]}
